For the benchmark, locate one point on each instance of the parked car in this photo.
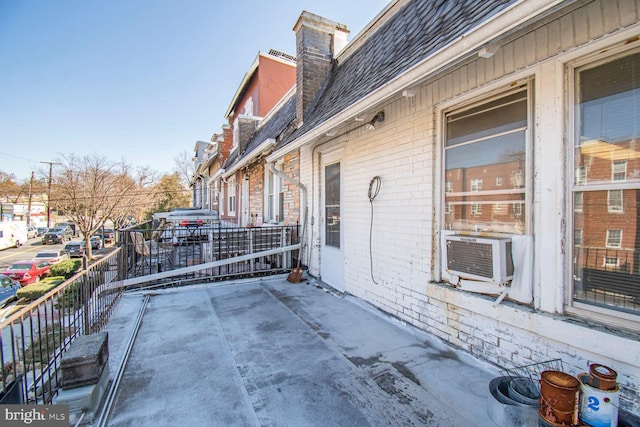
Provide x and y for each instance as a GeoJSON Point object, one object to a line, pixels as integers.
{"type": "Point", "coordinates": [41, 231]}
{"type": "Point", "coordinates": [57, 235]}
{"type": "Point", "coordinates": [52, 256]}
{"type": "Point", "coordinates": [27, 272]}
{"type": "Point", "coordinates": [109, 235]}
{"type": "Point", "coordinates": [75, 249]}
{"type": "Point", "coordinates": [32, 232]}
{"type": "Point", "coordinates": [71, 225]}
{"type": "Point", "coordinates": [8, 289]}
{"type": "Point", "coordinates": [96, 241]}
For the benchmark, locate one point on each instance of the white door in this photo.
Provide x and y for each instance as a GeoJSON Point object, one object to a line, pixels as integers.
{"type": "Point", "coordinates": [331, 228]}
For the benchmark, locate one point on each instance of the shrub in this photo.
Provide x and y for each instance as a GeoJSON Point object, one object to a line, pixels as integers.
{"type": "Point", "coordinates": [66, 268]}
{"type": "Point", "coordinates": [36, 290]}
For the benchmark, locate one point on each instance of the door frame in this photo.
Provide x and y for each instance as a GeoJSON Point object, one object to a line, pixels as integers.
{"type": "Point", "coordinates": [331, 258]}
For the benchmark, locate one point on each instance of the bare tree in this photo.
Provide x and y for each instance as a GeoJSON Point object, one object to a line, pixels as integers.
{"type": "Point", "coordinates": [89, 190]}
{"type": "Point", "coordinates": [184, 167]}
{"type": "Point", "coordinates": [136, 202]}
{"type": "Point", "coordinates": [10, 190]}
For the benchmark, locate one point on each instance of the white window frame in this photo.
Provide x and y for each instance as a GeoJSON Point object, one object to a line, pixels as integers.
{"type": "Point", "coordinates": [577, 237]}
{"type": "Point", "coordinates": [448, 186]}
{"type": "Point", "coordinates": [619, 170]}
{"type": "Point", "coordinates": [581, 175]}
{"type": "Point", "coordinates": [273, 188]}
{"type": "Point", "coordinates": [499, 181]}
{"type": "Point", "coordinates": [608, 261]}
{"type": "Point", "coordinates": [516, 209]}
{"type": "Point", "coordinates": [476, 208]}
{"type": "Point", "coordinates": [614, 242]}
{"type": "Point", "coordinates": [617, 206]}
{"type": "Point", "coordinates": [476, 184]}
{"type": "Point", "coordinates": [590, 56]}
{"type": "Point", "coordinates": [232, 196]}
{"type": "Point", "coordinates": [578, 206]}
{"type": "Point", "coordinates": [448, 208]}
{"type": "Point", "coordinates": [526, 84]}
{"type": "Point", "coordinates": [235, 137]}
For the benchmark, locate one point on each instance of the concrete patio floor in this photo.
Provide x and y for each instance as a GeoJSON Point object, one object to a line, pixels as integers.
{"type": "Point", "coordinates": [271, 353]}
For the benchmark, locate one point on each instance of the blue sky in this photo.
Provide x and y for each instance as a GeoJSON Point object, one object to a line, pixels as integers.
{"type": "Point", "coordinates": [134, 80]}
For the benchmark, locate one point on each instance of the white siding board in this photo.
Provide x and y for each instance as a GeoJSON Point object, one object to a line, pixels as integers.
{"type": "Point", "coordinates": [531, 51]}
{"type": "Point", "coordinates": [596, 22]}
{"type": "Point", "coordinates": [519, 52]}
{"type": "Point", "coordinates": [628, 12]}
{"type": "Point", "coordinates": [611, 16]}
{"type": "Point", "coordinates": [567, 40]}
{"type": "Point", "coordinates": [581, 26]}
{"type": "Point", "coordinates": [542, 42]}
{"type": "Point", "coordinates": [553, 33]}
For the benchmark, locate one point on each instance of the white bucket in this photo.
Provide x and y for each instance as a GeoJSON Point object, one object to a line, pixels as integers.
{"type": "Point", "coordinates": [598, 408]}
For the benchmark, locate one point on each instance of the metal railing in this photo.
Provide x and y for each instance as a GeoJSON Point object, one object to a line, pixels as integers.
{"type": "Point", "coordinates": [147, 250]}
{"type": "Point", "coordinates": [35, 335]}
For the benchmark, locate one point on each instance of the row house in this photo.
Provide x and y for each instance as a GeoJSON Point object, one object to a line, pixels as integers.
{"type": "Point", "coordinates": [468, 167]}
{"type": "Point", "coordinates": [471, 168]}
{"type": "Point", "coordinates": [227, 172]}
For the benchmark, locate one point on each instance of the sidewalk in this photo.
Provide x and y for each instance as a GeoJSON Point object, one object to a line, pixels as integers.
{"type": "Point", "coordinates": [271, 353]}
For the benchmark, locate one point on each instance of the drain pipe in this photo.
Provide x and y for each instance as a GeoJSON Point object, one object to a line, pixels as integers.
{"type": "Point", "coordinates": [272, 168]}
{"type": "Point", "coordinates": [303, 202]}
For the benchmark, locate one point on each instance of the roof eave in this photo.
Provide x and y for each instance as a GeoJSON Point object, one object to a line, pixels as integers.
{"type": "Point", "coordinates": [264, 146]}
{"type": "Point", "coordinates": [462, 47]}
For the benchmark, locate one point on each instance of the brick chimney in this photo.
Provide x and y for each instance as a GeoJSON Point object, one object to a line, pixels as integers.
{"type": "Point", "coordinates": [246, 127]}
{"type": "Point", "coordinates": [318, 41]}
{"type": "Point", "coordinates": [225, 142]}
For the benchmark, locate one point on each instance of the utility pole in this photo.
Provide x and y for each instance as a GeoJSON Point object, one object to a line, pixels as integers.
{"type": "Point", "coordinates": [30, 197]}
{"type": "Point", "coordinates": [49, 191]}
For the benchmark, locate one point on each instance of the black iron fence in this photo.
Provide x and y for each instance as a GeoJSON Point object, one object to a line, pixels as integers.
{"type": "Point", "coordinates": [35, 334]}
{"type": "Point", "coordinates": [146, 250]}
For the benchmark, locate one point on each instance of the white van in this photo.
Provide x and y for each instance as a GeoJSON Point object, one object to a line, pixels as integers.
{"type": "Point", "coordinates": [13, 234]}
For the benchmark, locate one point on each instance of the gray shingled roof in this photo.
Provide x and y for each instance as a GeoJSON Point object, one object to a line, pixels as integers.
{"type": "Point", "coordinates": [270, 128]}
{"type": "Point", "coordinates": [415, 32]}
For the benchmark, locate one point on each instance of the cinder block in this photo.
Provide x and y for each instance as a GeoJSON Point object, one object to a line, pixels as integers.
{"type": "Point", "coordinates": [83, 363]}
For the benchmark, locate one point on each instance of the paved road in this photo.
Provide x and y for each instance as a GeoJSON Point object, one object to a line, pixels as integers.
{"type": "Point", "coordinates": [26, 251]}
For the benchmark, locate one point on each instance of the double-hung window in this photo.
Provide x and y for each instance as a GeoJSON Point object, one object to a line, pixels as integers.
{"type": "Point", "coordinates": [232, 196]}
{"type": "Point", "coordinates": [484, 142]}
{"type": "Point", "coordinates": [606, 149]}
{"type": "Point", "coordinates": [274, 196]}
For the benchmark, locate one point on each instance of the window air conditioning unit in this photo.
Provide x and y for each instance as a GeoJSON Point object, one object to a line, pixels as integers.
{"type": "Point", "coordinates": [485, 259]}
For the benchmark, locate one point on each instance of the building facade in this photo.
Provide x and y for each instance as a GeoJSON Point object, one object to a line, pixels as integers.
{"type": "Point", "coordinates": [485, 121]}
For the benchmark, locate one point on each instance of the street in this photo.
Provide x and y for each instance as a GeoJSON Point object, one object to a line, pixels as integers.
{"type": "Point", "coordinates": [24, 252]}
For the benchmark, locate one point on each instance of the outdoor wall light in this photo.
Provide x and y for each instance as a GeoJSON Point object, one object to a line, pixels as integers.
{"type": "Point", "coordinates": [488, 51]}
{"type": "Point", "coordinates": [377, 118]}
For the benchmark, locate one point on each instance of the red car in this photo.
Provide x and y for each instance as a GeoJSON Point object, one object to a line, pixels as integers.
{"type": "Point", "coordinates": [27, 272]}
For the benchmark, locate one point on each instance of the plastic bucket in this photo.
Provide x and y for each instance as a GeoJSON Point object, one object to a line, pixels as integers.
{"type": "Point", "coordinates": [598, 408]}
{"type": "Point", "coordinates": [559, 397]}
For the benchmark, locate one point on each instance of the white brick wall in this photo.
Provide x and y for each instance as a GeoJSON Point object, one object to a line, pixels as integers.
{"type": "Point", "coordinates": [404, 151]}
